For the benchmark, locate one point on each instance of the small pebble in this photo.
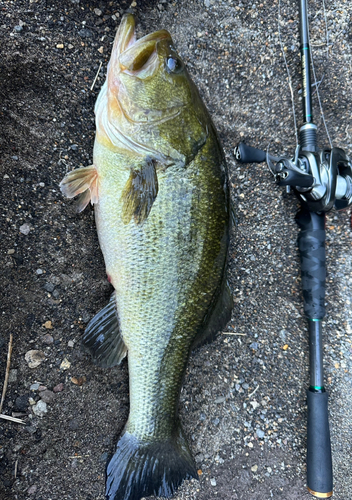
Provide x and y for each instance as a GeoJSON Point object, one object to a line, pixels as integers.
{"type": "Point", "coordinates": [13, 375]}
{"type": "Point", "coordinates": [11, 251]}
{"type": "Point", "coordinates": [101, 49]}
{"type": "Point", "coordinates": [65, 364]}
{"type": "Point", "coordinates": [31, 429]}
{"type": "Point", "coordinates": [50, 454]}
{"type": "Point", "coordinates": [260, 433]}
{"type": "Point", "coordinates": [70, 343]}
{"type": "Point", "coordinates": [39, 271]}
{"type": "Point", "coordinates": [32, 490]}
{"type": "Point", "coordinates": [47, 339]}
{"type": "Point", "coordinates": [34, 387]}
{"type": "Point", "coordinates": [47, 396]}
{"type": "Point", "coordinates": [254, 468]}
{"type": "Point", "coordinates": [40, 409]}
{"type": "Point", "coordinates": [78, 380]}
{"type": "Point", "coordinates": [22, 402]}
{"type": "Point", "coordinates": [97, 12]}
{"type": "Point", "coordinates": [59, 387]}
{"type": "Point", "coordinates": [84, 33]}
{"type": "Point", "coordinates": [34, 358]}
{"type": "Point", "coordinates": [254, 404]}
{"type": "Point", "coordinates": [103, 458]}
{"type": "Point", "coordinates": [25, 228]}
{"type": "Point", "coordinates": [60, 46]}
{"type": "Point", "coordinates": [213, 481]}
{"type": "Point", "coordinates": [18, 28]}
{"type": "Point", "coordinates": [74, 424]}
{"type": "Point", "coordinates": [220, 399]}
{"type": "Point", "coordinates": [48, 325]}
{"type": "Point", "coordinates": [49, 287]}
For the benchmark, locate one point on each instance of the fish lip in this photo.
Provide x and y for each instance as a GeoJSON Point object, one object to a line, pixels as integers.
{"type": "Point", "coordinates": [146, 47]}
{"type": "Point", "coordinates": [155, 36]}
{"type": "Point", "coordinates": [126, 36]}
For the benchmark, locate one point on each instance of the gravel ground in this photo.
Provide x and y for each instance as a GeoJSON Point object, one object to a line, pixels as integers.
{"type": "Point", "coordinates": [243, 400]}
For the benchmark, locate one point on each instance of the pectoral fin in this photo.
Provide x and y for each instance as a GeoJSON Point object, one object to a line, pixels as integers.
{"type": "Point", "coordinates": [139, 193]}
{"type": "Point", "coordinates": [84, 182]}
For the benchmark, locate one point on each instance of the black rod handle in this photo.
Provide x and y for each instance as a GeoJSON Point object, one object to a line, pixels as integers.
{"type": "Point", "coordinates": [248, 154]}
{"type": "Point", "coordinates": [319, 463]}
{"type": "Point", "coordinates": [311, 243]}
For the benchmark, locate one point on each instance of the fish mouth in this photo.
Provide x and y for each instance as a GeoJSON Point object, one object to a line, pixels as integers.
{"type": "Point", "coordinates": [139, 59]}
{"type": "Point", "coordinates": [132, 55]}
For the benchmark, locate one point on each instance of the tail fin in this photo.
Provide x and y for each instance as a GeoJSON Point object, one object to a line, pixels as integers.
{"type": "Point", "coordinates": [139, 469]}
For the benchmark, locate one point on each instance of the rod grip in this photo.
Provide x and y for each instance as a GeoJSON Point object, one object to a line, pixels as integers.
{"type": "Point", "coordinates": [311, 243]}
{"type": "Point", "coordinates": [248, 154]}
{"type": "Point", "coordinates": [319, 463]}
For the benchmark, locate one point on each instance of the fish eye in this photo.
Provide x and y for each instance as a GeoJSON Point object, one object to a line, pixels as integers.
{"type": "Point", "coordinates": [174, 65]}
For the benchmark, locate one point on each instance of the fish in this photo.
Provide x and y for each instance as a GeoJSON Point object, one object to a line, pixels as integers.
{"type": "Point", "coordinates": [160, 190]}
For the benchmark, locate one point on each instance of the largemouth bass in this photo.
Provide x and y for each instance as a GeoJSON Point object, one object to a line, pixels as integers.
{"type": "Point", "coordinates": [160, 189]}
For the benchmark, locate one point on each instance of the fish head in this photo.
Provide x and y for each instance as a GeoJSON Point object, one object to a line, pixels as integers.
{"type": "Point", "coordinates": [151, 99]}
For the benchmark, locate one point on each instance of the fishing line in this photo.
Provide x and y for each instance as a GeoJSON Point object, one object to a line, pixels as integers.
{"type": "Point", "coordinates": [313, 70]}
{"type": "Point", "coordinates": [288, 74]}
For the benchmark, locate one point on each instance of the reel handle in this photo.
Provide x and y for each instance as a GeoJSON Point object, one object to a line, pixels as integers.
{"type": "Point", "coordinates": [248, 154]}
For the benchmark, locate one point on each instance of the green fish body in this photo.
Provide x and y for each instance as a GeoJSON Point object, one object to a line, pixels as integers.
{"type": "Point", "coordinates": [159, 185]}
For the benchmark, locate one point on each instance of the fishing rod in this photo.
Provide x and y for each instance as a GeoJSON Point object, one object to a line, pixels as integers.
{"type": "Point", "coordinates": [321, 179]}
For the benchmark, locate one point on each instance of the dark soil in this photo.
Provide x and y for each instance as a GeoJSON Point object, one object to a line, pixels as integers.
{"type": "Point", "coordinates": [243, 401]}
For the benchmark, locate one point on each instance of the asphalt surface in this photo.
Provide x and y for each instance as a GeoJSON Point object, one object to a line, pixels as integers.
{"type": "Point", "coordinates": [243, 402]}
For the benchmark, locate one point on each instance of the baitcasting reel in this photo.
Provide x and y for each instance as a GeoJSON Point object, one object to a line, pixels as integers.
{"type": "Point", "coordinates": [321, 178]}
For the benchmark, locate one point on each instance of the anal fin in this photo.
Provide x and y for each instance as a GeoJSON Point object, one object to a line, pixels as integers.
{"type": "Point", "coordinates": [81, 181]}
{"type": "Point", "coordinates": [102, 337]}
